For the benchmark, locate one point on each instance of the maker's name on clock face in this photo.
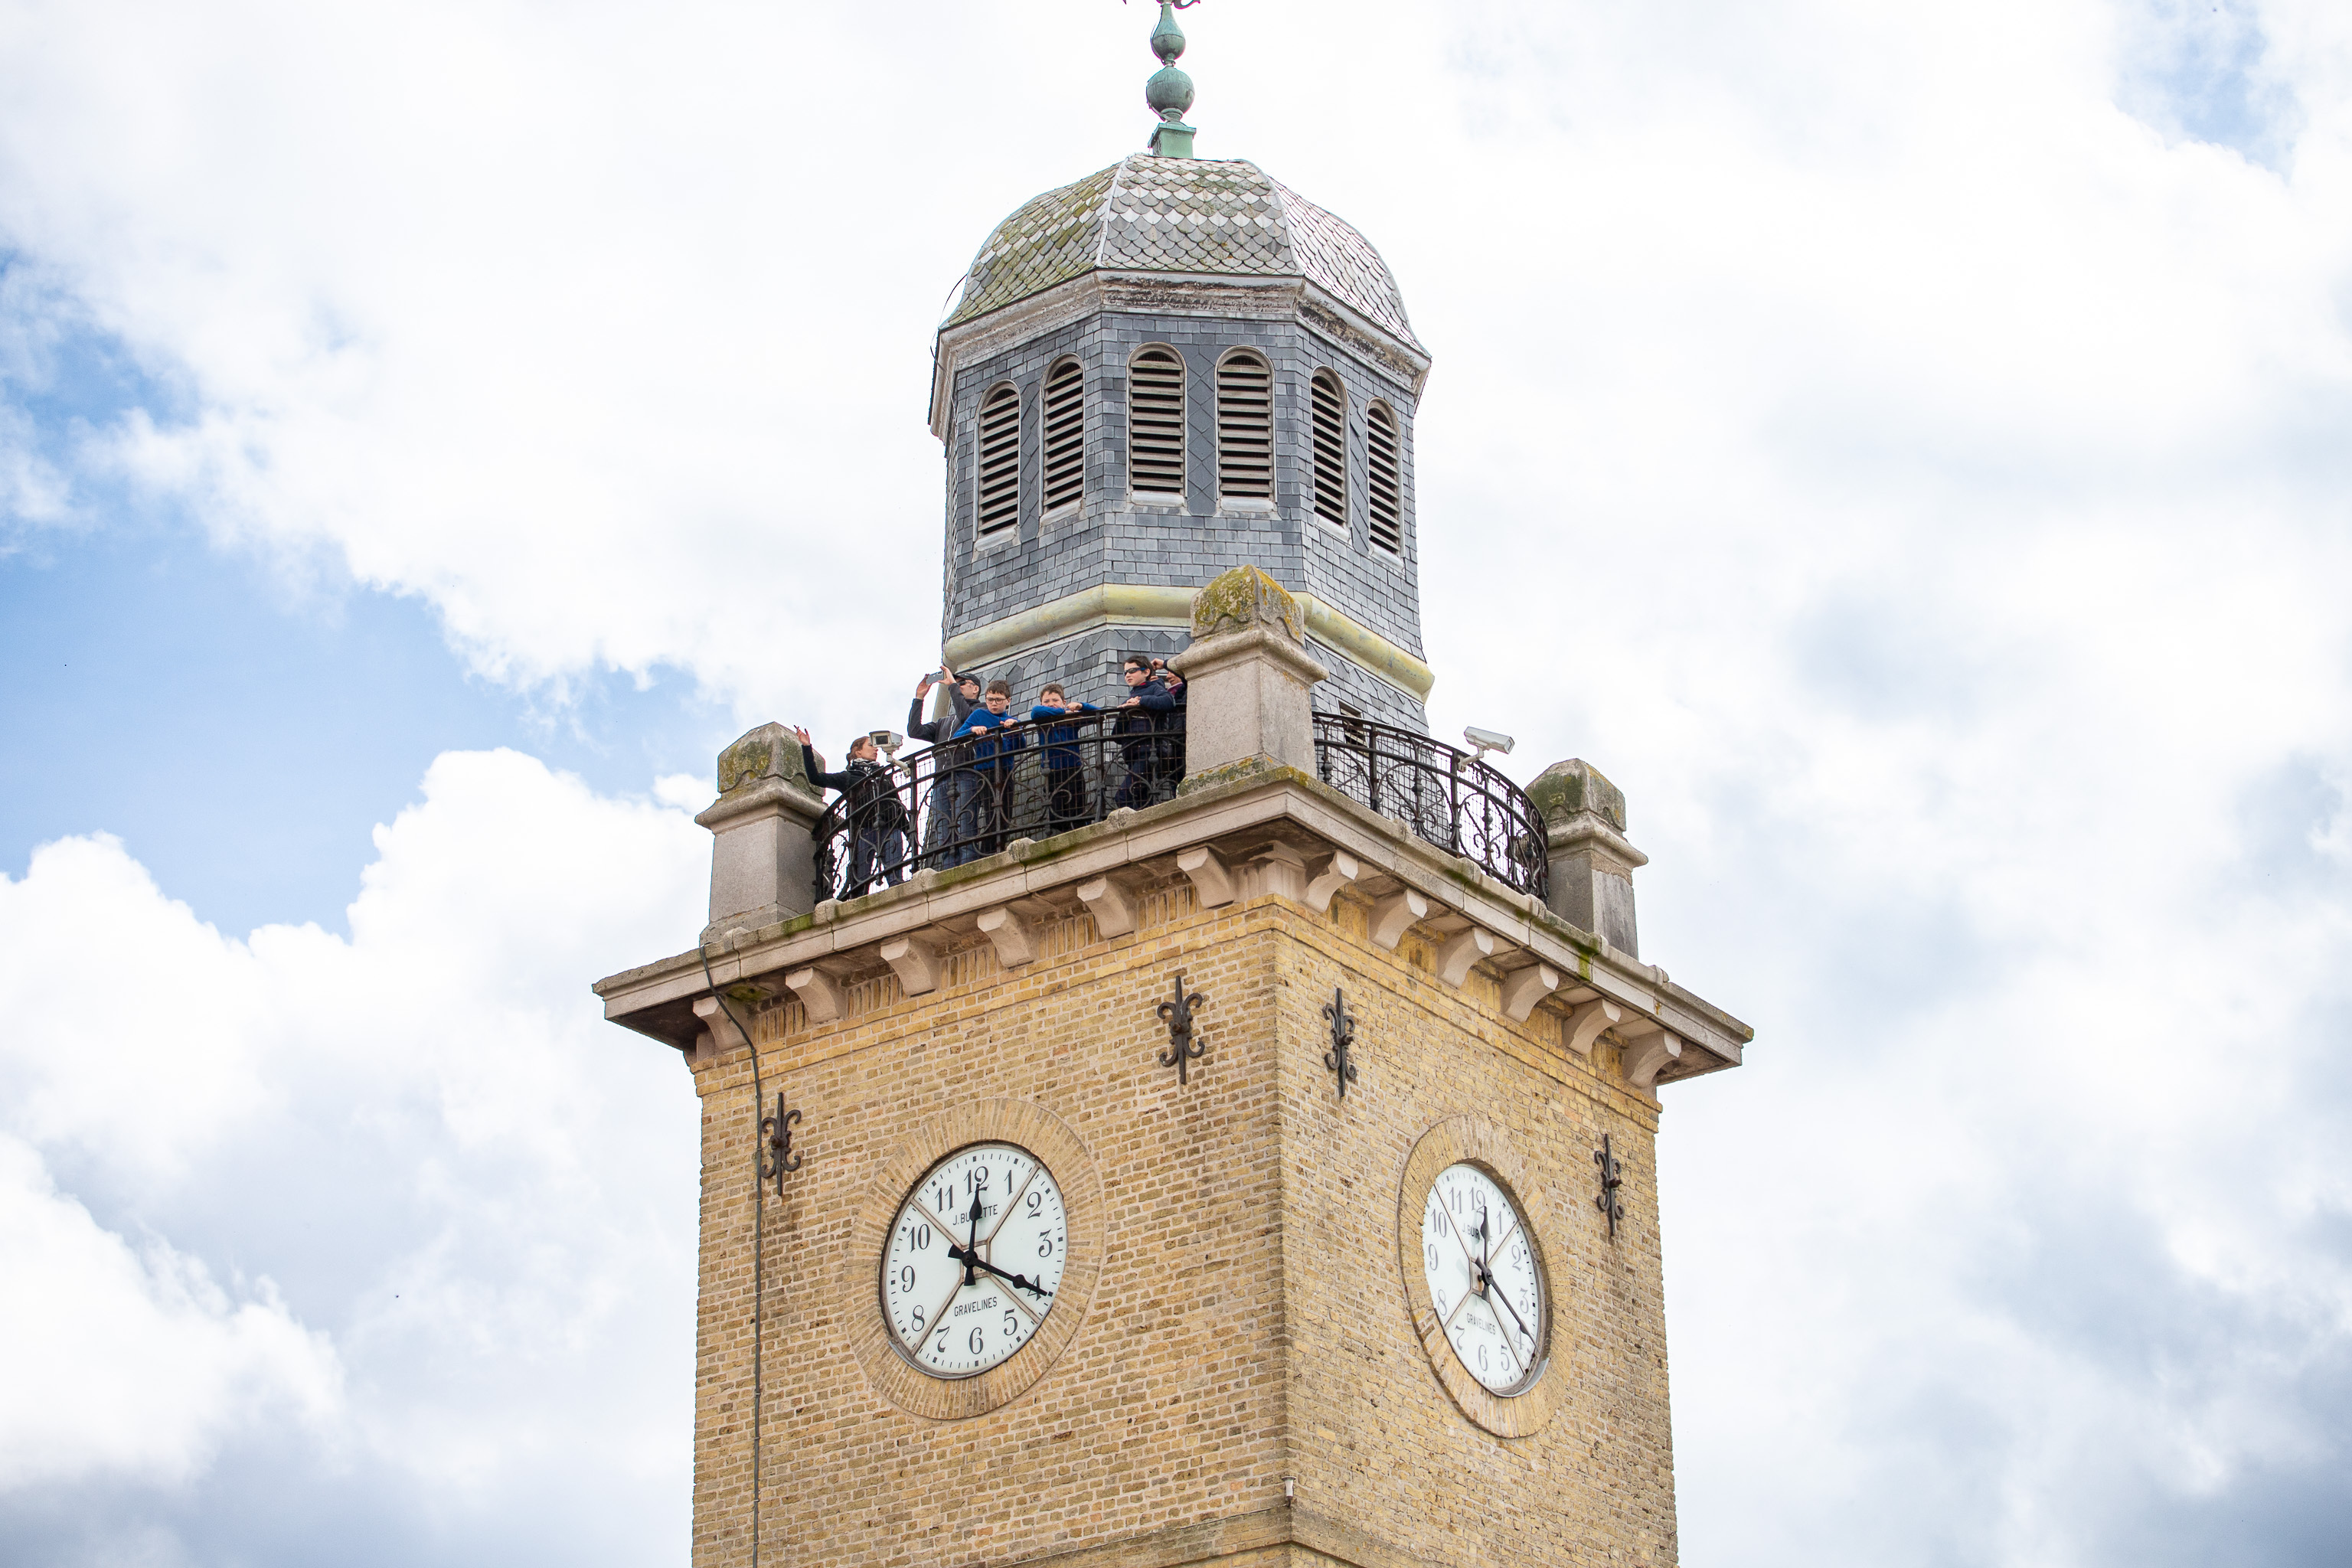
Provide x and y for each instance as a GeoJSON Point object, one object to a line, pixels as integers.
{"type": "Point", "coordinates": [1480, 1265]}
{"type": "Point", "coordinates": [973, 1259]}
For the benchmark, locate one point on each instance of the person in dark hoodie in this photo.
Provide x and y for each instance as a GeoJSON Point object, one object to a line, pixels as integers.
{"type": "Point", "coordinates": [1138, 729]}
{"type": "Point", "coordinates": [1065, 779]}
{"type": "Point", "coordinates": [878, 818]}
{"type": "Point", "coordinates": [985, 775]}
{"type": "Point", "coordinates": [946, 775]}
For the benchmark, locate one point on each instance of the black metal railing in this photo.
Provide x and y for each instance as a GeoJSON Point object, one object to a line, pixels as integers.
{"type": "Point", "coordinates": [1446, 797]}
{"type": "Point", "coordinates": [968, 798]}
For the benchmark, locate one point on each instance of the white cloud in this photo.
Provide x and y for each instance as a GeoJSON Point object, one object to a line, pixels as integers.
{"type": "Point", "coordinates": [467, 1188]}
{"type": "Point", "coordinates": [116, 1361]}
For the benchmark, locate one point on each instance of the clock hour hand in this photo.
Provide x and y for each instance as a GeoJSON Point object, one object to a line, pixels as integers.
{"type": "Point", "coordinates": [1022, 1281]}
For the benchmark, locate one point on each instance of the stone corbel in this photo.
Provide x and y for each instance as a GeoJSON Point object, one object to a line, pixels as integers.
{"type": "Point", "coordinates": [822, 997]}
{"type": "Point", "coordinates": [1523, 988]}
{"type": "Point", "coordinates": [1461, 952]}
{"type": "Point", "coordinates": [1648, 1049]}
{"type": "Point", "coordinates": [1584, 1024]}
{"type": "Point", "coordinates": [914, 962]}
{"type": "Point", "coordinates": [1326, 875]}
{"type": "Point", "coordinates": [1277, 870]}
{"type": "Point", "coordinates": [1014, 939]}
{"type": "Point", "coordinates": [1112, 906]}
{"type": "Point", "coordinates": [1394, 915]}
{"type": "Point", "coordinates": [1212, 879]}
{"type": "Point", "coordinates": [717, 1024]}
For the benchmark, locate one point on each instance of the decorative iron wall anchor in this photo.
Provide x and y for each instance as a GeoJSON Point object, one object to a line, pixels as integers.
{"type": "Point", "coordinates": [1612, 1178]}
{"type": "Point", "coordinates": [778, 1131]}
{"type": "Point", "coordinates": [1182, 1049]}
{"type": "Point", "coordinates": [1343, 1040]}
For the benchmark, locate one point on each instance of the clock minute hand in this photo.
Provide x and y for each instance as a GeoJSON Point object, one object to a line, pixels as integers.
{"type": "Point", "coordinates": [971, 1248]}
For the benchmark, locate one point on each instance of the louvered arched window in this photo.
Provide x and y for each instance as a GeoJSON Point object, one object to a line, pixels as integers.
{"type": "Point", "coordinates": [1244, 428]}
{"type": "Point", "coordinates": [1155, 423]}
{"type": "Point", "coordinates": [1065, 434]}
{"type": "Point", "coordinates": [1385, 466]}
{"type": "Point", "coordinates": [1330, 408]}
{"type": "Point", "coordinates": [1000, 461]}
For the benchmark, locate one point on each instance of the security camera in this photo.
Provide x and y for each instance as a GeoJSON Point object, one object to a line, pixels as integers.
{"type": "Point", "coordinates": [1485, 741]}
{"type": "Point", "coordinates": [887, 742]}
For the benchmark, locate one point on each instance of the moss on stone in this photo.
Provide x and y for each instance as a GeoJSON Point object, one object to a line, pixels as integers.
{"type": "Point", "coordinates": [1243, 598]}
{"type": "Point", "coordinates": [1571, 788]}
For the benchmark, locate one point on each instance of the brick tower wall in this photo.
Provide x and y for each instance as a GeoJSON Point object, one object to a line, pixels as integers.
{"type": "Point", "coordinates": [1249, 1321]}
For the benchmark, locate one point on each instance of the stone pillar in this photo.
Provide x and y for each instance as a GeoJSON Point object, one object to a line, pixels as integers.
{"type": "Point", "coordinates": [1246, 676]}
{"type": "Point", "coordinates": [1592, 862]}
{"type": "Point", "coordinates": [762, 858]}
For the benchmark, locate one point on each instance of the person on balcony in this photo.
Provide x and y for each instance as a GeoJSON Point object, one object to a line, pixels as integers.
{"type": "Point", "coordinates": [964, 694]}
{"type": "Point", "coordinates": [875, 818]}
{"type": "Point", "coordinates": [1065, 778]}
{"type": "Point", "coordinates": [1138, 729]}
{"type": "Point", "coordinates": [983, 777]}
{"type": "Point", "coordinates": [1171, 724]}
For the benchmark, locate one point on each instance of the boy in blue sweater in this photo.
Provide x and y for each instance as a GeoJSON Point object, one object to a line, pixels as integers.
{"type": "Point", "coordinates": [981, 783]}
{"type": "Point", "coordinates": [1065, 778]}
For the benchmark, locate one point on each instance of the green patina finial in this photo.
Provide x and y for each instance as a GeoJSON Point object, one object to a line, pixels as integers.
{"type": "Point", "coordinates": [1169, 90]}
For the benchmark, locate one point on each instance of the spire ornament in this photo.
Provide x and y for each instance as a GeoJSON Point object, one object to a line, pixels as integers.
{"type": "Point", "coordinates": [1169, 93]}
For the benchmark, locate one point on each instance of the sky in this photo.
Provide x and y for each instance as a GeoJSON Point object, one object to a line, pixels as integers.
{"type": "Point", "coordinates": [1908, 448]}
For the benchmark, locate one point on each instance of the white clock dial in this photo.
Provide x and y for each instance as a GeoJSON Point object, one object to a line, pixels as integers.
{"type": "Point", "coordinates": [1482, 1281]}
{"type": "Point", "coordinates": [973, 1259]}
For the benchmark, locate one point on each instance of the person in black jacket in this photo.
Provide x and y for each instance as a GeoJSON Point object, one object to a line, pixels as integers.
{"type": "Point", "coordinates": [878, 818]}
{"type": "Point", "coordinates": [1137, 727]}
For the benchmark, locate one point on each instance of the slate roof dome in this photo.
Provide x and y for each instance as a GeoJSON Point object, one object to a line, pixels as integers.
{"type": "Point", "coordinates": [1194, 215]}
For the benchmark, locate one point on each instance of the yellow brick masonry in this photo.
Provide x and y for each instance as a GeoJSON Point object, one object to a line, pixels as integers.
{"type": "Point", "coordinates": [1250, 1322]}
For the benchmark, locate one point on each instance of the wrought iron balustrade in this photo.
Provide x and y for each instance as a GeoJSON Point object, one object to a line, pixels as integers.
{"type": "Point", "coordinates": [1445, 798]}
{"type": "Point", "coordinates": [965, 799]}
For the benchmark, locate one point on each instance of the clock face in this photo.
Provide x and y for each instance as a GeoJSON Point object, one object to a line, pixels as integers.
{"type": "Point", "coordinates": [973, 1259]}
{"type": "Point", "coordinates": [1482, 1281]}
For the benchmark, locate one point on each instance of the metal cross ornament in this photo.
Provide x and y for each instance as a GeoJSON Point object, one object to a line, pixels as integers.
{"type": "Point", "coordinates": [777, 1130]}
{"type": "Point", "coordinates": [1182, 1049]}
{"type": "Point", "coordinates": [1343, 1040]}
{"type": "Point", "coordinates": [1612, 1178]}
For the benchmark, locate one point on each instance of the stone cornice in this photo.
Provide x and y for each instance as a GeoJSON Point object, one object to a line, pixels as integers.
{"type": "Point", "coordinates": [1252, 806]}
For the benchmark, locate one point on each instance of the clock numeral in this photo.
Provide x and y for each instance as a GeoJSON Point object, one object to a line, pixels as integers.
{"type": "Point", "coordinates": [907, 1277]}
{"type": "Point", "coordinates": [918, 1322]}
{"type": "Point", "coordinates": [979, 1338]}
{"type": "Point", "coordinates": [1011, 1321]}
{"type": "Point", "coordinates": [920, 1237]}
{"type": "Point", "coordinates": [1432, 1256]}
{"type": "Point", "coordinates": [1036, 1201]}
{"type": "Point", "coordinates": [1046, 1247]}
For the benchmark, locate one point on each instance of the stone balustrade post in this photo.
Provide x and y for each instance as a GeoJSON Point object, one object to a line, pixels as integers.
{"type": "Point", "coordinates": [1247, 677]}
{"type": "Point", "coordinates": [1591, 860]}
{"type": "Point", "coordinates": [763, 856]}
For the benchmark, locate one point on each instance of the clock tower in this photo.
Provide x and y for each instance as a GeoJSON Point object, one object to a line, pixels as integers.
{"type": "Point", "coordinates": [1239, 1147]}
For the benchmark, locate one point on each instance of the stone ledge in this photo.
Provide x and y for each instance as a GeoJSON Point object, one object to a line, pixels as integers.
{"type": "Point", "coordinates": [656, 999]}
